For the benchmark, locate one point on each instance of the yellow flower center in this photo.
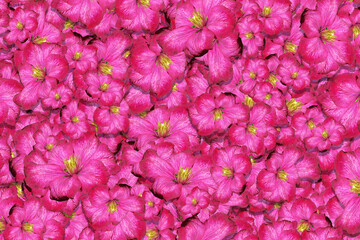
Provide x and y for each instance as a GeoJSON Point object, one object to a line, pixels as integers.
{"type": "Point", "coordinates": [252, 75]}
{"type": "Point", "coordinates": [252, 159]}
{"type": "Point", "coordinates": [268, 96]}
{"type": "Point", "coordinates": [19, 25]}
{"type": "Point", "coordinates": [311, 124]}
{"type": "Point", "coordinates": [293, 105]}
{"type": "Point", "coordinates": [294, 75]}
{"type": "Point", "coordinates": [356, 31]}
{"type": "Point", "coordinates": [252, 129]}
{"type": "Point", "coordinates": [174, 88]}
{"type": "Point", "coordinates": [38, 73]}
{"type": "Point", "coordinates": [75, 119]}
{"type": "Point", "coordinates": [126, 54]}
{"type": "Point", "coordinates": [282, 175]}
{"type": "Point", "coordinates": [355, 186]}
{"type": "Point", "coordinates": [328, 35]}
{"type": "Point", "coordinates": [194, 201]}
{"type": "Point", "coordinates": [19, 190]}
{"type": "Point", "coordinates": [142, 114]}
{"type": "Point", "coordinates": [163, 128]}
{"type": "Point", "coordinates": [49, 146]}
{"type": "Point", "coordinates": [104, 87]}
{"type": "Point", "coordinates": [150, 204]}
{"type": "Point", "coordinates": [165, 61]}
{"type": "Point", "coordinates": [115, 109]}
{"type": "Point", "coordinates": [152, 234]}
{"type": "Point", "coordinates": [183, 175]}
{"type": "Point", "coordinates": [57, 96]}
{"type": "Point", "coordinates": [145, 3]}
{"type": "Point", "coordinates": [249, 35]}
{"type": "Point", "coordinates": [290, 47]}
{"type": "Point", "coordinates": [112, 206]}
{"type": "Point", "coordinates": [71, 165]}
{"type": "Point", "coordinates": [27, 227]}
{"type": "Point", "coordinates": [68, 24]}
{"type": "Point", "coordinates": [277, 205]}
{"type": "Point", "coordinates": [325, 134]}
{"type": "Point", "coordinates": [105, 68]}
{"type": "Point", "coordinates": [303, 226]}
{"type": "Point", "coordinates": [2, 225]}
{"type": "Point", "coordinates": [266, 11]}
{"type": "Point", "coordinates": [77, 55]}
{"type": "Point", "coordinates": [249, 101]}
{"type": "Point", "coordinates": [40, 40]}
{"type": "Point", "coordinates": [13, 155]}
{"type": "Point", "coordinates": [218, 114]}
{"type": "Point", "coordinates": [197, 20]}
{"type": "Point", "coordinates": [273, 79]}
{"type": "Point", "coordinates": [227, 172]}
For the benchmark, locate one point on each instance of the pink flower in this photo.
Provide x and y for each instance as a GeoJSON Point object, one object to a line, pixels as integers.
{"type": "Point", "coordinates": [214, 114]}
{"type": "Point", "coordinates": [196, 26]}
{"type": "Point", "coordinates": [81, 58]}
{"type": "Point", "coordinates": [58, 97]}
{"type": "Point", "coordinates": [9, 111]}
{"type": "Point", "coordinates": [228, 172]}
{"type": "Point", "coordinates": [196, 202]}
{"type": "Point", "coordinates": [326, 45]}
{"type": "Point", "coordinates": [81, 164]}
{"type": "Point", "coordinates": [162, 125]}
{"type": "Point", "coordinates": [22, 23]}
{"type": "Point", "coordinates": [305, 123]}
{"type": "Point", "coordinates": [75, 123]}
{"type": "Point", "coordinates": [154, 71]}
{"type": "Point", "coordinates": [255, 70]}
{"type": "Point", "coordinates": [249, 28]}
{"type": "Point", "coordinates": [279, 230]}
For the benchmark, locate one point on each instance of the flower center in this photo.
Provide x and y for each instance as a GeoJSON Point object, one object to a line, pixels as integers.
{"type": "Point", "coordinates": [268, 96]}
{"type": "Point", "coordinates": [293, 105]}
{"type": "Point", "coordinates": [282, 175]}
{"type": "Point", "coordinates": [2, 225]}
{"type": "Point", "coordinates": [249, 35]}
{"type": "Point", "coordinates": [27, 227]}
{"type": "Point", "coordinates": [303, 226]}
{"type": "Point", "coordinates": [252, 129]}
{"type": "Point", "coordinates": [150, 204]}
{"type": "Point", "coordinates": [152, 233]}
{"type": "Point", "coordinates": [356, 31]}
{"type": "Point", "coordinates": [311, 124]}
{"type": "Point", "coordinates": [19, 25]}
{"type": "Point", "coordinates": [105, 68]}
{"type": "Point", "coordinates": [227, 172]}
{"type": "Point", "coordinates": [115, 109]}
{"type": "Point", "coordinates": [273, 79]}
{"type": "Point", "coordinates": [71, 165]}
{"type": "Point", "coordinates": [77, 55]}
{"type": "Point", "coordinates": [112, 206]}
{"type": "Point", "coordinates": [163, 128]}
{"type": "Point", "coordinates": [38, 73]}
{"type": "Point", "coordinates": [183, 175]}
{"type": "Point", "coordinates": [194, 201]}
{"type": "Point", "coordinates": [104, 87]}
{"type": "Point", "coordinates": [75, 119]}
{"type": "Point", "coordinates": [328, 35]}
{"type": "Point", "coordinates": [40, 40]}
{"type": "Point", "coordinates": [145, 3]}
{"type": "Point", "coordinates": [355, 186]}
{"type": "Point", "coordinates": [325, 134]}
{"type": "Point", "coordinates": [249, 101]}
{"type": "Point", "coordinates": [197, 20]}
{"type": "Point", "coordinates": [277, 205]}
{"type": "Point", "coordinates": [20, 192]}
{"type": "Point", "coordinates": [49, 146]}
{"type": "Point", "coordinates": [174, 88]}
{"type": "Point", "coordinates": [165, 61]}
{"type": "Point", "coordinates": [68, 24]}
{"type": "Point", "coordinates": [126, 54]}
{"type": "Point", "coordinates": [252, 75]}
{"type": "Point", "coordinates": [266, 11]}
{"type": "Point", "coordinates": [294, 75]}
{"type": "Point", "coordinates": [57, 96]}
{"type": "Point", "coordinates": [290, 47]}
{"type": "Point", "coordinates": [218, 114]}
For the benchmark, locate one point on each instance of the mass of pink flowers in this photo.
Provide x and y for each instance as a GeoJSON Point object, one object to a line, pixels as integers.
{"type": "Point", "coordinates": [179, 119]}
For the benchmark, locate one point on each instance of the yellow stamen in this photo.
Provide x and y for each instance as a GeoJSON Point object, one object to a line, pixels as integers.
{"type": "Point", "coordinates": [140, 195]}
{"type": "Point", "coordinates": [294, 75]}
{"type": "Point", "coordinates": [293, 105]}
{"type": "Point", "coordinates": [145, 3]}
{"type": "Point", "coordinates": [356, 31]}
{"type": "Point", "coordinates": [268, 96]}
{"type": "Point", "coordinates": [142, 114]}
{"type": "Point", "coordinates": [249, 101]}
{"type": "Point", "coordinates": [303, 226]}
{"type": "Point", "coordinates": [290, 47]}
{"type": "Point", "coordinates": [252, 129]}
{"type": "Point", "coordinates": [311, 124]}
{"type": "Point", "coordinates": [152, 234]}
{"type": "Point", "coordinates": [2, 225]}
{"type": "Point", "coordinates": [69, 216]}
{"type": "Point", "coordinates": [126, 54]}
{"type": "Point", "coordinates": [227, 172]}
{"type": "Point", "coordinates": [71, 165]}
{"type": "Point", "coordinates": [112, 206]}
{"type": "Point", "coordinates": [77, 55]}
{"type": "Point", "coordinates": [273, 79]}
{"type": "Point", "coordinates": [13, 155]}
{"type": "Point", "coordinates": [57, 96]}
{"type": "Point", "coordinates": [194, 201]}
{"type": "Point", "coordinates": [328, 35]}
{"type": "Point", "coordinates": [277, 205]}
{"type": "Point", "coordinates": [19, 25]}
{"type": "Point", "coordinates": [49, 146]}
{"type": "Point", "coordinates": [217, 115]}
{"type": "Point", "coordinates": [38, 73]}
{"type": "Point", "coordinates": [68, 24]}
{"type": "Point", "coordinates": [19, 190]}
{"type": "Point", "coordinates": [165, 61]}
{"type": "Point", "coordinates": [249, 35]}
{"type": "Point", "coordinates": [355, 186]}
{"type": "Point", "coordinates": [252, 75]}
{"type": "Point", "coordinates": [40, 40]}
{"type": "Point", "coordinates": [252, 160]}
{"type": "Point", "coordinates": [105, 68]}
{"type": "Point", "coordinates": [115, 109]}
{"type": "Point", "coordinates": [266, 11]}
{"type": "Point", "coordinates": [150, 204]}
{"type": "Point", "coordinates": [75, 119]}
{"type": "Point", "coordinates": [27, 227]}
{"type": "Point", "coordinates": [163, 128]}
{"type": "Point", "coordinates": [183, 175]}
{"type": "Point", "coordinates": [282, 175]}
{"type": "Point", "coordinates": [325, 134]}
{"type": "Point", "coordinates": [197, 20]}
{"type": "Point", "coordinates": [104, 86]}
{"type": "Point", "coordinates": [174, 88]}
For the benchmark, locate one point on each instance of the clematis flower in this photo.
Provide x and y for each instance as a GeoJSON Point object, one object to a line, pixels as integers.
{"type": "Point", "coordinates": [214, 114]}
{"type": "Point", "coordinates": [70, 167]}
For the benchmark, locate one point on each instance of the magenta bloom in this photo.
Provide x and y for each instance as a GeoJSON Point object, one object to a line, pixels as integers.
{"type": "Point", "coordinates": [279, 230]}
{"type": "Point", "coordinates": [9, 111]}
{"type": "Point", "coordinates": [250, 29]}
{"type": "Point", "coordinates": [81, 164]}
{"type": "Point", "coordinates": [21, 25]}
{"type": "Point", "coordinates": [214, 114]}
{"type": "Point", "coordinates": [74, 120]}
